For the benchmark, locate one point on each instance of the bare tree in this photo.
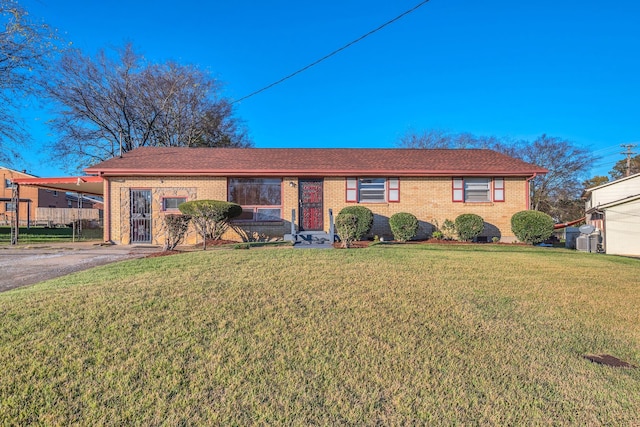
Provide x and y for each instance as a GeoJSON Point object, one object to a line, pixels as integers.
{"type": "Point", "coordinates": [438, 138]}
{"type": "Point", "coordinates": [111, 104]}
{"type": "Point", "coordinates": [25, 47]}
{"type": "Point", "coordinates": [567, 165]}
{"type": "Point", "coordinates": [555, 193]}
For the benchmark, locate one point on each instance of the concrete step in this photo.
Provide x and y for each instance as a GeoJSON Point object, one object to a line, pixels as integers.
{"type": "Point", "coordinates": [310, 238]}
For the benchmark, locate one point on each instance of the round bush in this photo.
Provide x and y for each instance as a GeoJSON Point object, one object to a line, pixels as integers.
{"type": "Point", "coordinates": [215, 209]}
{"type": "Point", "coordinates": [532, 226]}
{"type": "Point", "coordinates": [469, 226]}
{"type": "Point", "coordinates": [365, 219]}
{"type": "Point", "coordinates": [210, 217]}
{"type": "Point", "coordinates": [404, 226]}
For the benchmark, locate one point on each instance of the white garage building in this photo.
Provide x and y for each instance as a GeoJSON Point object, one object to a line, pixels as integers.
{"type": "Point", "coordinates": [614, 209]}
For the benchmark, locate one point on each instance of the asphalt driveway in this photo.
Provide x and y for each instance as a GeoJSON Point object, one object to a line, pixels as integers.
{"type": "Point", "coordinates": [26, 265]}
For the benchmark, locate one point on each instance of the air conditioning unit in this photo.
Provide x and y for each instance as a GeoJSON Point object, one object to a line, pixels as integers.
{"type": "Point", "coordinates": [589, 239]}
{"type": "Point", "coordinates": [582, 243]}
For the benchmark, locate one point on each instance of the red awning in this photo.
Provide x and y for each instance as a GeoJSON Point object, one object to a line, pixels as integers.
{"type": "Point", "coordinates": [568, 224]}
{"type": "Point", "coordinates": [73, 184]}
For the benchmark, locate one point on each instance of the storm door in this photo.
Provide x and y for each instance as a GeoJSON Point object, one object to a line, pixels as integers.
{"type": "Point", "coordinates": [311, 206]}
{"type": "Point", "coordinates": [140, 216]}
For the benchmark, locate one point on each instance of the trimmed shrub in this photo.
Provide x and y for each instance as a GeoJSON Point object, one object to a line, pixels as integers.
{"type": "Point", "coordinates": [210, 217]}
{"type": "Point", "coordinates": [365, 219]}
{"type": "Point", "coordinates": [404, 226]}
{"type": "Point", "coordinates": [446, 232]}
{"type": "Point", "coordinates": [347, 227]}
{"type": "Point", "coordinates": [469, 226]}
{"type": "Point", "coordinates": [176, 227]}
{"type": "Point", "coordinates": [532, 226]}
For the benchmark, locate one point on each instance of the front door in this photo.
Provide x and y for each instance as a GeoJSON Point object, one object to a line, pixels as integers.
{"type": "Point", "coordinates": [140, 216]}
{"type": "Point", "coordinates": [311, 206]}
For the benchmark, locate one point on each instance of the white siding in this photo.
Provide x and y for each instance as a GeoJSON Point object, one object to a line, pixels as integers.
{"type": "Point", "coordinates": [617, 190]}
{"type": "Point", "coordinates": [622, 229]}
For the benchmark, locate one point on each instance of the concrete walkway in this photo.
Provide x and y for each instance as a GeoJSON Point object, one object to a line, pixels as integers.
{"type": "Point", "coordinates": [312, 245]}
{"type": "Point", "coordinates": [24, 265]}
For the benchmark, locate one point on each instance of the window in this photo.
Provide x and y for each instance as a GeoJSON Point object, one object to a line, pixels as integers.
{"type": "Point", "coordinates": [8, 183]}
{"type": "Point", "coordinates": [260, 198]}
{"type": "Point", "coordinates": [372, 190]}
{"type": "Point", "coordinates": [171, 203]}
{"type": "Point", "coordinates": [9, 207]}
{"type": "Point", "coordinates": [473, 190]}
{"type": "Point", "coordinates": [477, 190]}
{"type": "Point", "coordinates": [55, 193]}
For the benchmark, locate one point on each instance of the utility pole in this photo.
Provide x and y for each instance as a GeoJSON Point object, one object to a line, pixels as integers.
{"type": "Point", "coordinates": [628, 153]}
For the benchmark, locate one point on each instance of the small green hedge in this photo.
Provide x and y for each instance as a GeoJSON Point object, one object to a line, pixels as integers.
{"type": "Point", "coordinates": [532, 226]}
{"type": "Point", "coordinates": [469, 226]}
{"type": "Point", "coordinates": [347, 227]}
{"type": "Point", "coordinates": [175, 229]}
{"type": "Point", "coordinates": [210, 217]}
{"type": "Point", "coordinates": [404, 226]}
{"type": "Point", "coordinates": [215, 209]}
{"type": "Point", "coordinates": [364, 222]}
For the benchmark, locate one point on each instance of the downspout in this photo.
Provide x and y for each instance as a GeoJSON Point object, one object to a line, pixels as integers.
{"type": "Point", "coordinates": [603, 232]}
{"type": "Point", "coordinates": [529, 190]}
{"type": "Point", "coordinates": [107, 210]}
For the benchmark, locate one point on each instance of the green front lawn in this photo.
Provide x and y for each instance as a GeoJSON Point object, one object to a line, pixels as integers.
{"type": "Point", "coordinates": [392, 334]}
{"type": "Point", "coordinates": [44, 235]}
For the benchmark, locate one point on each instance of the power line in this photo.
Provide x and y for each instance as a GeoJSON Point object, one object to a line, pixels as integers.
{"type": "Point", "coordinates": [351, 43]}
{"type": "Point", "coordinates": [603, 150]}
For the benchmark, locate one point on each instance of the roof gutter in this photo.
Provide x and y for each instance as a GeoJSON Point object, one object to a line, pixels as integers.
{"type": "Point", "coordinates": [305, 173]}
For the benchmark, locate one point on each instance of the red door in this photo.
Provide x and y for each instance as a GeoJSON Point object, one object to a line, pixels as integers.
{"type": "Point", "coordinates": [311, 206]}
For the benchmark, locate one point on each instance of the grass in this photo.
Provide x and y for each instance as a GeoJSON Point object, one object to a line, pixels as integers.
{"type": "Point", "coordinates": [45, 235]}
{"type": "Point", "coordinates": [415, 334]}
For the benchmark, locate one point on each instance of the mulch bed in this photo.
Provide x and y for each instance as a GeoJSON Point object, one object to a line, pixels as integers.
{"type": "Point", "coordinates": [354, 245]}
{"type": "Point", "coordinates": [163, 253]}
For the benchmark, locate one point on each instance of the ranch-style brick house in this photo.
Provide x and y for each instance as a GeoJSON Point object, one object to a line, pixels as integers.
{"type": "Point", "coordinates": [285, 187]}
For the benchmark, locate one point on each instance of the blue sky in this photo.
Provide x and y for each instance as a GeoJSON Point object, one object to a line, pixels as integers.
{"type": "Point", "coordinates": [507, 68]}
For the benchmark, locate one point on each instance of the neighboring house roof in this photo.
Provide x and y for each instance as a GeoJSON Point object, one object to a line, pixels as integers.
{"type": "Point", "coordinates": [615, 203]}
{"type": "Point", "coordinates": [607, 184]}
{"type": "Point", "coordinates": [312, 162]}
{"type": "Point", "coordinates": [17, 171]}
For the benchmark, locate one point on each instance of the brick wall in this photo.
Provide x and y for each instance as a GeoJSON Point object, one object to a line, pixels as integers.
{"type": "Point", "coordinates": [51, 199]}
{"type": "Point", "coordinates": [429, 199]}
{"type": "Point", "coordinates": [27, 210]}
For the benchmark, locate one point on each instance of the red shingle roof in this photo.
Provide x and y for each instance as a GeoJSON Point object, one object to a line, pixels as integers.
{"type": "Point", "coordinates": [310, 162]}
